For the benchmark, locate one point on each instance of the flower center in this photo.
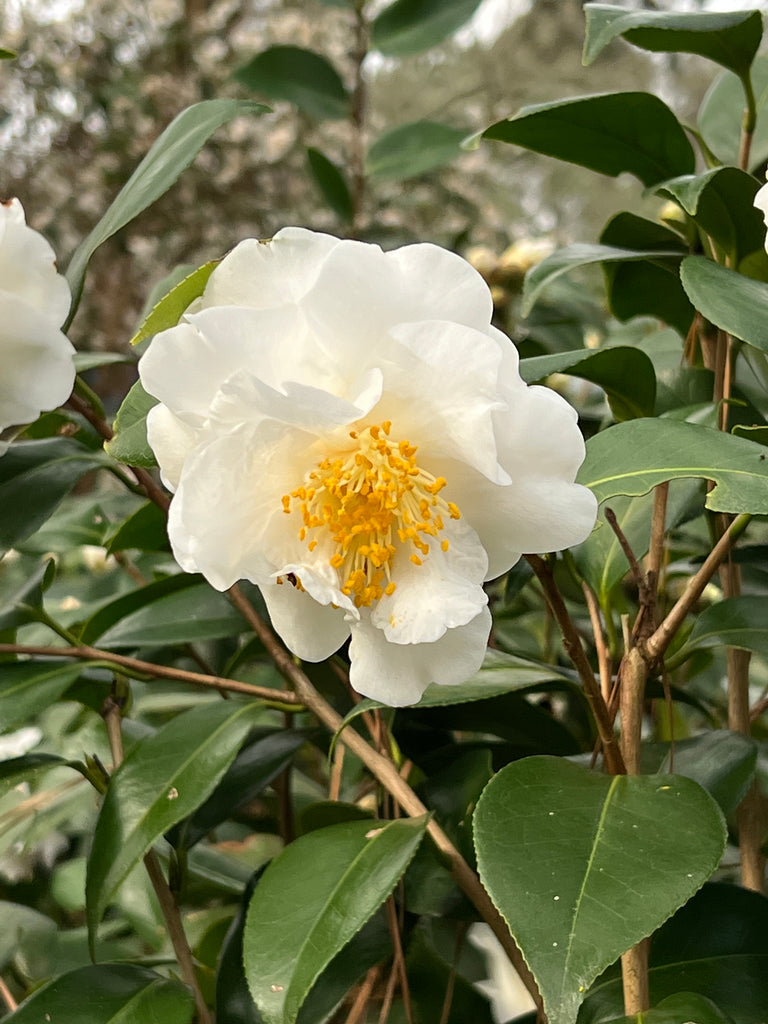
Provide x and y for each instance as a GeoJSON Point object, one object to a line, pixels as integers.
{"type": "Point", "coordinates": [366, 499]}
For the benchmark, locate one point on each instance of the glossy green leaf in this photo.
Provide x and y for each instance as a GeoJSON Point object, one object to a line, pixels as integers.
{"type": "Point", "coordinates": [410, 26]}
{"type": "Point", "coordinates": [430, 975]}
{"type": "Point", "coordinates": [632, 458]}
{"type": "Point", "coordinates": [234, 1004]}
{"type": "Point", "coordinates": [721, 201]}
{"type": "Point", "coordinates": [299, 76]}
{"type": "Point", "coordinates": [683, 1006]}
{"type": "Point", "coordinates": [184, 616]}
{"type": "Point", "coordinates": [331, 183]}
{"type": "Point", "coordinates": [722, 762]}
{"type": "Point", "coordinates": [727, 964]}
{"type": "Point", "coordinates": [255, 766]}
{"type": "Point", "coordinates": [721, 113]}
{"type": "Point", "coordinates": [28, 687]}
{"type": "Point", "coordinates": [6, 54]}
{"type": "Point", "coordinates": [601, 559]}
{"type": "Point", "coordinates": [587, 895]}
{"type": "Point", "coordinates": [625, 374]}
{"type": "Point", "coordinates": [412, 149]}
{"type": "Point", "coordinates": [735, 303]}
{"type": "Point", "coordinates": [730, 39]}
{"type": "Point", "coordinates": [733, 622]}
{"type": "Point", "coordinates": [118, 608]}
{"type": "Point", "coordinates": [164, 778]}
{"type": "Point", "coordinates": [146, 529]}
{"type": "Point", "coordinates": [34, 477]}
{"type": "Point", "coordinates": [130, 444]}
{"type": "Point", "coordinates": [322, 888]}
{"type": "Point", "coordinates": [167, 312]}
{"type": "Point", "coordinates": [632, 132]}
{"type": "Point", "coordinates": [27, 766]}
{"type": "Point", "coordinates": [169, 155]}
{"type": "Point", "coordinates": [26, 604]}
{"type": "Point", "coordinates": [108, 994]}
{"type": "Point", "coordinates": [562, 261]}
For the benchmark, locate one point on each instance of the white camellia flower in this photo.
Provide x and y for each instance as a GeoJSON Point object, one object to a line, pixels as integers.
{"type": "Point", "coordinates": [345, 428]}
{"type": "Point", "coordinates": [37, 365]}
{"type": "Point", "coordinates": [761, 202]}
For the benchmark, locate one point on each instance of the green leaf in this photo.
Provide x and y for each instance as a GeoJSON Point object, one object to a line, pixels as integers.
{"type": "Point", "coordinates": [146, 529]}
{"type": "Point", "coordinates": [612, 133]}
{"type": "Point", "coordinates": [164, 778]}
{"type": "Point", "coordinates": [6, 54]}
{"type": "Point", "coordinates": [107, 994]}
{"type": "Point", "coordinates": [188, 615]}
{"type": "Point", "coordinates": [410, 26]}
{"type": "Point", "coordinates": [169, 155]}
{"type": "Point", "coordinates": [28, 687]}
{"type": "Point", "coordinates": [118, 608]}
{"type": "Point", "coordinates": [683, 1006]}
{"type": "Point", "coordinates": [412, 149]}
{"type": "Point", "coordinates": [26, 604]}
{"type": "Point", "coordinates": [85, 361]}
{"type": "Point", "coordinates": [722, 110]}
{"type": "Point", "coordinates": [130, 444]}
{"type": "Point", "coordinates": [332, 184]}
{"type": "Point", "coordinates": [633, 457]}
{"type": "Point", "coordinates": [167, 312]}
{"type": "Point", "coordinates": [721, 201]}
{"type": "Point", "coordinates": [34, 477]}
{"type": "Point", "coordinates": [733, 622]}
{"type": "Point", "coordinates": [722, 762]}
{"type": "Point", "coordinates": [562, 261]}
{"type": "Point", "coordinates": [625, 374]}
{"type": "Point", "coordinates": [594, 838]}
{"type": "Point", "coordinates": [321, 889]}
{"type": "Point", "coordinates": [23, 927]}
{"type": "Point", "coordinates": [726, 964]}
{"type": "Point", "coordinates": [730, 39]}
{"type": "Point", "coordinates": [735, 303]}
{"type": "Point", "coordinates": [233, 1000]}
{"type": "Point", "coordinates": [299, 76]}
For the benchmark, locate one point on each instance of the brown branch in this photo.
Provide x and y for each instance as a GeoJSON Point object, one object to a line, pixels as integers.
{"type": "Point", "coordinates": [573, 646]}
{"type": "Point", "coordinates": [658, 528]}
{"type": "Point", "coordinates": [6, 996]}
{"type": "Point", "coordinates": [387, 774]}
{"type": "Point", "coordinates": [399, 958]}
{"type": "Point", "coordinates": [603, 654]}
{"type": "Point", "coordinates": [149, 668]}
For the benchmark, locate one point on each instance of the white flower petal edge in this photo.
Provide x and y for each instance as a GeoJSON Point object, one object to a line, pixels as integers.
{"type": "Point", "coordinates": [345, 428]}
{"type": "Point", "coordinates": [37, 359]}
{"type": "Point", "coordinates": [761, 202]}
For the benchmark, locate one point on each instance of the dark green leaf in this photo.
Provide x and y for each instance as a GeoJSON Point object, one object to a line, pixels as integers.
{"type": "Point", "coordinates": [722, 110]}
{"type": "Point", "coordinates": [145, 529]}
{"type": "Point", "coordinates": [27, 603]}
{"type": "Point", "coordinates": [683, 1006]}
{"type": "Point", "coordinates": [28, 687]}
{"type": "Point", "coordinates": [108, 994]}
{"type": "Point", "coordinates": [594, 837]}
{"type": "Point", "coordinates": [184, 616]}
{"type": "Point", "coordinates": [169, 155]}
{"type": "Point", "coordinates": [410, 26]}
{"type": "Point", "coordinates": [633, 457]}
{"type": "Point", "coordinates": [164, 778]}
{"type": "Point", "coordinates": [34, 477]}
{"type": "Point", "coordinates": [299, 76]}
{"type": "Point", "coordinates": [167, 312]}
{"type": "Point", "coordinates": [733, 622]}
{"type": "Point", "coordinates": [130, 444]}
{"type": "Point", "coordinates": [429, 977]}
{"type": "Point", "coordinates": [234, 1004]}
{"type": "Point", "coordinates": [625, 374]}
{"type": "Point", "coordinates": [332, 184]}
{"type": "Point", "coordinates": [120, 607]}
{"type": "Point", "coordinates": [633, 132]}
{"type": "Point", "coordinates": [721, 201]}
{"type": "Point", "coordinates": [6, 54]}
{"type": "Point", "coordinates": [730, 39]}
{"type": "Point", "coordinates": [412, 149]}
{"type": "Point", "coordinates": [735, 303]}
{"type": "Point", "coordinates": [727, 964]}
{"type": "Point", "coordinates": [322, 889]}
{"type": "Point", "coordinates": [562, 261]}
{"type": "Point", "coordinates": [722, 762]}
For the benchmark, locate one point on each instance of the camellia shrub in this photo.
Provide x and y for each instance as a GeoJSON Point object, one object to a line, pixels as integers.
{"type": "Point", "coordinates": [340, 639]}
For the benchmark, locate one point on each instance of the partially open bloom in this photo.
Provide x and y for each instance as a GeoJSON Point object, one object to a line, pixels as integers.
{"type": "Point", "coordinates": [37, 367]}
{"type": "Point", "coordinates": [345, 428]}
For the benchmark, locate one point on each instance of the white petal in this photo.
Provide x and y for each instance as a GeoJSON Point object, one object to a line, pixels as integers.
{"type": "Point", "coordinates": [761, 202]}
{"type": "Point", "coordinates": [269, 274]}
{"type": "Point", "coordinates": [538, 433]}
{"type": "Point", "coordinates": [172, 441]}
{"type": "Point", "coordinates": [444, 592]}
{"type": "Point", "coordinates": [398, 674]}
{"type": "Point", "coordinates": [310, 630]}
{"type": "Point", "coordinates": [448, 287]}
{"type": "Point", "coordinates": [28, 267]}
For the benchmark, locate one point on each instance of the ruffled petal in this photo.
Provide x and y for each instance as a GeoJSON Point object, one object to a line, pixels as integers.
{"type": "Point", "coordinates": [312, 631]}
{"type": "Point", "coordinates": [172, 441]}
{"type": "Point", "coordinates": [28, 267]}
{"type": "Point", "coordinates": [398, 674]}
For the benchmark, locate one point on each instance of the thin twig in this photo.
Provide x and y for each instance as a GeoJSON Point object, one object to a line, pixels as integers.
{"type": "Point", "coordinates": [461, 934]}
{"type": "Point", "coordinates": [149, 668]}
{"type": "Point", "coordinates": [359, 1006]}
{"type": "Point", "coordinates": [655, 557]}
{"type": "Point", "coordinates": [386, 773]}
{"type": "Point", "coordinates": [6, 996]}
{"type": "Point", "coordinates": [399, 958]}
{"type": "Point", "coordinates": [573, 646]}
{"type": "Point", "coordinates": [603, 654]}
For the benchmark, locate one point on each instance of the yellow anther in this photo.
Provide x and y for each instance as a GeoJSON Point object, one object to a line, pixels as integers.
{"type": "Point", "coordinates": [389, 589]}
{"type": "Point", "coordinates": [453, 510]}
{"type": "Point", "coordinates": [445, 545]}
{"type": "Point", "coordinates": [416, 560]}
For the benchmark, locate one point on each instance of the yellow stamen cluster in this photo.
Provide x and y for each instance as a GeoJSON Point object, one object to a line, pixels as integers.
{"type": "Point", "coordinates": [368, 497]}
